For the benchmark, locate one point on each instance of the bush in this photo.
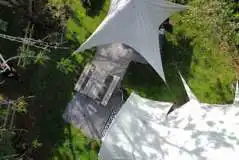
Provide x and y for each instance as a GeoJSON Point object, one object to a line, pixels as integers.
{"type": "Point", "coordinates": [214, 21]}
{"type": "Point", "coordinates": [66, 66]}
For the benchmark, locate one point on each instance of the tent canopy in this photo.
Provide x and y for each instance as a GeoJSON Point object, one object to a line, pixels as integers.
{"type": "Point", "coordinates": [195, 131]}
{"type": "Point", "coordinates": [135, 23]}
{"type": "Point", "coordinates": [208, 117]}
{"type": "Point", "coordinates": [131, 135]}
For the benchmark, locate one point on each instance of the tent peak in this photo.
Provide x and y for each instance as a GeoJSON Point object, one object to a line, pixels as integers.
{"type": "Point", "coordinates": [189, 92]}
{"type": "Point", "coordinates": [135, 23]}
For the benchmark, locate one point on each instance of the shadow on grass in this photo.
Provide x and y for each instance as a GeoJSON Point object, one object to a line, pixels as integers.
{"type": "Point", "coordinates": [176, 56]}
{"type": "Point", "coordinates": [94, 8]}
{"type": "Point", "coordinates": [52, 90]}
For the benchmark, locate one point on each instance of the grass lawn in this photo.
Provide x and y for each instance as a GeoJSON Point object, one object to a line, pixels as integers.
{"type": "Point", "coordinates": [53, 83]}
{"type": "Point", "coordinates": [209, 72]}
{"type": "Point", "coordinates": [52, 86]}
{"type": "Point", "coordinates": [76, 146]}
{"type": "Point", "coordinates": [207, 68]}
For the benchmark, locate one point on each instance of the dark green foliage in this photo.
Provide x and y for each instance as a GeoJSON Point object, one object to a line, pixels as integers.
{"type": "Point", "coordinates": [203, 39]}
{"type": "Point", "coordinates": [3, 25]}
{"type": "Point", "coordinates": [181, 1]}
{"type": "Point", "coordinates": [6, 146]}
{"type": "Point", "coordinates": [93, 7]}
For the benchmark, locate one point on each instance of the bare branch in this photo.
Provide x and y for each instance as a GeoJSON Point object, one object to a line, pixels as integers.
{"type": "Point", "coordinates": [6, 117]}
{"type": "Point", "coordinates": [20, 130]}
{"type": "Point", "coordinates": [9, 156]}
{"type": "Point", "coordinates": [12, 119]}
{"type": "Point", "coordinates": [5, 3]}
{"type": "Point", "coordinates": [32, 42]}
{"type": "Point", "coordinates": [4, 62]}
{"type": "Point", "coordinates": [17, 57]}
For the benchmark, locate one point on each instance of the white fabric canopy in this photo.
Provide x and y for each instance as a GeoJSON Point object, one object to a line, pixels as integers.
{"type": "Point", "coordinates": [214, 127]}
{"type": "Point", "coordinates": [195, 131]}
{"type": "Point", "coordinates": [135, 23]}
{"type": "Point", "coordinates": [132, 134]}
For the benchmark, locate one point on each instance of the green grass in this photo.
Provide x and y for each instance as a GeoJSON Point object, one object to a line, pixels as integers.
{"type": "Point", "coordinates": [210, 74]}
{"type": "Point", "coordinates": [53, 85]}
{"type": "Point", "coordinates": [82, 23]}
{"type": "Point", "coordinates": [208, 69]}
{"type": "Point", "coordinates": [76, 147]}
{"type": "Point", "coordinates": [207, 66]}
{"type": "Point", "coordinates": [212, 69]}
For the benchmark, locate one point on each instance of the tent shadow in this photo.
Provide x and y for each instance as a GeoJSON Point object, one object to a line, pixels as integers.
{"type": "Point", "coordinates": [176, 56]}
{"type": "Point", "coordinates": [51, 98]}
{"type": "Point", "coordinates": [139, 134]}
{"type": "Point", "coordinates": [94, 8]}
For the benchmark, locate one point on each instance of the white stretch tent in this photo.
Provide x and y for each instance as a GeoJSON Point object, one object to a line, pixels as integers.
{"type": "Point", "coordinates": [214, 127]}
{"type": "Point", "coordinates": [196, 131]}
{"type": "Point", "coordinates": [135, 23]}
{"type": "Point", "coordinates": [131, 135]}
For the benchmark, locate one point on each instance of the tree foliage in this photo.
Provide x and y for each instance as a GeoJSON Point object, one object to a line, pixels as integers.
{"type": "Point", "coordinates": [215, 20]}
{"type": "Point", "coordinates": [41, 34]}
{"type": "Point", "coordinates": [209, 23]}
